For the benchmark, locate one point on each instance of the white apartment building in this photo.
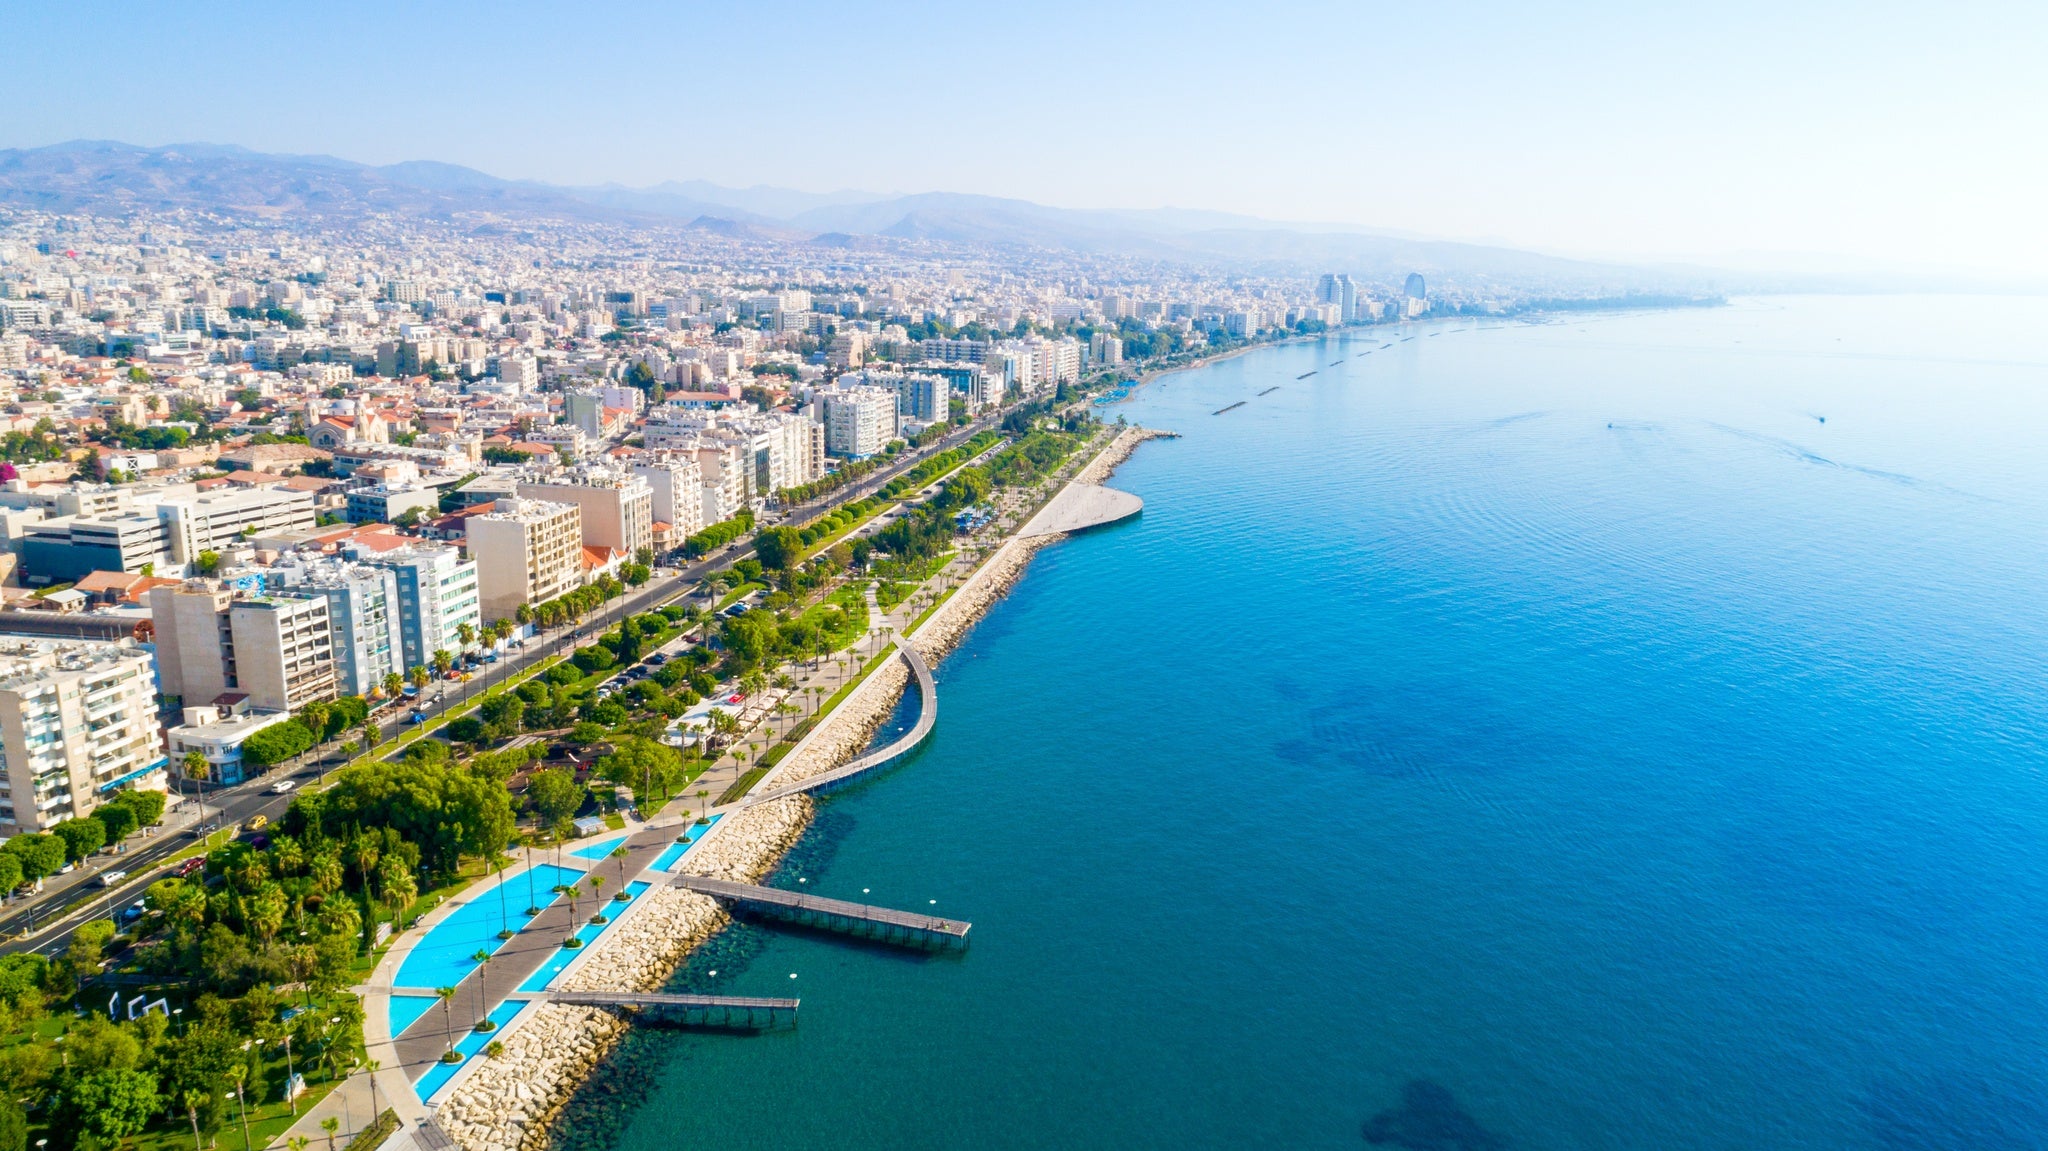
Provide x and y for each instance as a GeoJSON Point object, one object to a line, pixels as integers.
{"type": "Point", "coordinates": [283, 656]}
{"type": "Point", "coordinates": [859, 420]}
{"type": "Point", "coordinates": [362, 605]}
{"type": "Point", "coordinates": [526, 551]}
{"type": "Point", "coordinates": [677, 484]}
{"type": "Point", "coordinates": [77, 724]}
{"type": "Point", "coordinates": [437, 594]}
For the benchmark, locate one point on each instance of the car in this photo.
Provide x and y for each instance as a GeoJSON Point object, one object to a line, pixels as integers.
{"type": "Point", "coordinates": [282, 786]}
{"type": "Point", "coordinates": [417, 716]}
{"type": "Point", "coordinates": [109, 878]}
{"type": "Point", "coordinates": [657, 659]}
{"type": "Point", "coordinates": [196, 863]}
{"type": "Point", "coordinates": [256, 822]}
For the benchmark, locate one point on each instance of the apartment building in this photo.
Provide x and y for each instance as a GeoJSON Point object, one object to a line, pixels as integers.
{"type": "Point", "coordinates": [677, 487]}
{"type": "Point", "coordinates": [437, 594]}
{"type": "Point", "coordinates": [526, 551]}
{"type": "Point", "coordinates": [859, 420]}
{"type": "Point", "coordinates": [363, 612]}
{"type": "Point", "coordinates": [617, 506]}
{"type": "Point", "coordinates": [77, 724]}
{"type": "Point", "coordinates": [278, 650]}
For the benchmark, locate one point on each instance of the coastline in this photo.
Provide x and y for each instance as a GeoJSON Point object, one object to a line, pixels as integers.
{"type": "Point", "coordinates": [514, 1101]}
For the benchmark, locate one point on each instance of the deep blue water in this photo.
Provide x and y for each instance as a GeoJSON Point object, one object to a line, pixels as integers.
{"type": "Point", "coordinates": [1624, 732]}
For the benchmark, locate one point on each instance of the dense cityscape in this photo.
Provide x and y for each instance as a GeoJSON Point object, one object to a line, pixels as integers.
{"type": "Point", "coordinates": [287, 505]}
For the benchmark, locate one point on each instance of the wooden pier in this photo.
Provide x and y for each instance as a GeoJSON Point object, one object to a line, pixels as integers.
{"type": "Point", "coordinates": [903, 928]}
{"type": "Point", "coordinates": [719, 1012]}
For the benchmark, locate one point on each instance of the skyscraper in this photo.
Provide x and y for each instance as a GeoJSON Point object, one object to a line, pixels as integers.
{"type": "Point", "coordinates": [1413, 289]}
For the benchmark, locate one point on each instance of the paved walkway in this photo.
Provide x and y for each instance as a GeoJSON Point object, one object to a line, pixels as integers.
{"type": "Point", "coordinates": [1080, 506]}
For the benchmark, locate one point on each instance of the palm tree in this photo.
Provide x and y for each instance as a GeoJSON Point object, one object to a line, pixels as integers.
{"type": "Point", "coordinates": [420, 676]}
{"type": "Point", "coordinates": [466, 632]}
{"type": "Point", "coordinates": [483, 990]}
{"type": "Point", "coordinates": [331, 1124]}
{"type": "Point", "coordinates": [596, 883]}
{"type": "Point", "coordinates": [619, 853]}
{"type": "Point", "coordinates": [197, 769]}
{"type": "Point", "coordinates": [393, 684]}
{"type": "Point", "coordinates": [447, 995]}
{"type": "Point", "coordinates": [297, 1142]}
{"type": "Point", "coordinates": [570, 890]}
{"type": "Point", "coordinates": [442, 662]}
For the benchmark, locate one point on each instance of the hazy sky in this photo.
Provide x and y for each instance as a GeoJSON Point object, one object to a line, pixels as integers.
{"type": "Point", "coordinates": [1897, 133]}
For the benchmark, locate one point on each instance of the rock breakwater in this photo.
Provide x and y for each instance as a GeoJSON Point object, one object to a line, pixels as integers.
{"type": "Point", "coordinates": [507, 1102]}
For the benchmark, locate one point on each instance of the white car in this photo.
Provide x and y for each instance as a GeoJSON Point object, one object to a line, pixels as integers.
{"type": "Point", "coordinates": [282, 786]}
{"type": "Point", "coordinates": [109, 878]}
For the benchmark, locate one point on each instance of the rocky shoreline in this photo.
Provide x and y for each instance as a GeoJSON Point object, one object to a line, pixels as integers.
{"type": "Point", "coordinates": [511, 1102]}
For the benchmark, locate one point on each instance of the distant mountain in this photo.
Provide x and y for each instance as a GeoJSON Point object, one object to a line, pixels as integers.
{"type": "Point", "coordinates": [108, 177]}
{"type": "Point", "coordinates": [103, 176]}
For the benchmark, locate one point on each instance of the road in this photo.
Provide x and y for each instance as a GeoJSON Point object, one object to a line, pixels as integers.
{"type": "Point", "coordinates": [43, 923]}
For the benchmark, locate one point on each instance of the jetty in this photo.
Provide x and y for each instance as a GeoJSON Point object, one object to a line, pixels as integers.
{"type": "Point", "coordinates": [1271, 390]}
{"type": "Point", "coordinates": [718, 1012]}
{"type": "Point", "coordinates": [882, 924]}
{"type": "Point", "coordinates": [927, 717]}
{"type": "Point", "coordinates": [1220, 411]}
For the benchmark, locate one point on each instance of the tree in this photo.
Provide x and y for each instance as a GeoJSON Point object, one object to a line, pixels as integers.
{"type": "Point", "coordinates": [81, 837]}
{"type": "Point", "coordinates": [468, 729]}
{"type": "Point", "coordinates": [779, 548]}
{"type": "Point", "coordinates": [466, 632]}
{"type": "Point", "coordinates": [276, 743]}
{"type": "Point", "coordinates": [13, 1124]}
{"type": "Point", "coordinates": [41, 854]}
{"type": "Point", "coordinates": [118, 818]}
{"type": "Point", "coordinates": [208, 563]}
{"type": "Point", "coordinates": [393, 684]}
{"type": "Point", "coordinates": [447, 995]}
{"type": "Point", "coordinates": [442, 662]}
{"type": "Point", "coordinates": [554, 796]}
{"type": "Point", "coordinates": [112, 1105]}
{"type": "Point", "coordinates": [421, 676]}
{"type": "Point", "coordinates": [10, 876]}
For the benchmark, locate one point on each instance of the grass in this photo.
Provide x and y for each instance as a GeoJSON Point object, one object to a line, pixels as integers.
{"type": "Point", "coordinates": [732, 597]}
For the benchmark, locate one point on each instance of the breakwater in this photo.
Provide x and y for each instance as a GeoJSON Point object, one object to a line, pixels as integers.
{"type": "Point", "coordinates": [525, 1098]}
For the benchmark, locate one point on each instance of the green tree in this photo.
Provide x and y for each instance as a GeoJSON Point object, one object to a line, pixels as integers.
{"type": "Point", "coordinates": [208, 563]}
{"type": "Point", "coordinates": [39, 855]}
{"type": "Point", "coordinates": [81, 837]}
{"type": "Point", "coordinates": [118, 819]}
{"type": "Point", "coordinates": [554, 795]}
{"type": "Point", "coordinates": [13, 1124]}
{"type": "Point", "coordinates": [779, 548]}
{"type": "Point", "coordinates": [112, 1105]}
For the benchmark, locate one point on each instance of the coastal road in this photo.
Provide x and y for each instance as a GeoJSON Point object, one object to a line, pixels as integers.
{"type": "Point", "coordinates": [44, 921]}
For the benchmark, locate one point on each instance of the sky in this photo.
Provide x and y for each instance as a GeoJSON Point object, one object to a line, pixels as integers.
{"type": "Point", "coordinates": [1889, 134]}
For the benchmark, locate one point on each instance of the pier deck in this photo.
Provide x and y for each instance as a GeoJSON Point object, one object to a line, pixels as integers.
{"type": "Point", "coordinates": [728, 1012]}
{"type": "Point", "coordinates": [879, 923]}
{"type": "Point", "coordinates": [927, 716]}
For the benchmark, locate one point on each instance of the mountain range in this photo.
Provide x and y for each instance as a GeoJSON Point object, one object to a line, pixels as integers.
{"type": "Point", "coordinates": [108, 177]}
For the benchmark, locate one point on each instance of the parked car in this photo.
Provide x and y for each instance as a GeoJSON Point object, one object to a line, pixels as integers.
{"type": "Point", "coordinates": [282, 786]}
{"type": "Point", "coordinates": [109, 878]}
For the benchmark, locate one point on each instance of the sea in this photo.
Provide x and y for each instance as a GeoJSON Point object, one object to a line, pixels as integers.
{"type": "Point", "coordinates": [1605, 731]}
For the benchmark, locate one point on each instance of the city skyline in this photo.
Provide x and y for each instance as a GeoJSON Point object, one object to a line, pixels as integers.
{"type": "Point", "coordinates": [1601, 132]}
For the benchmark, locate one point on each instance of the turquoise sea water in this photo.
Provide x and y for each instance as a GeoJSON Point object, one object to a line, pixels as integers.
{"type": "Point", "coordinates": [1624, 732]}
